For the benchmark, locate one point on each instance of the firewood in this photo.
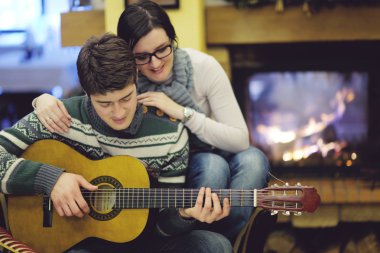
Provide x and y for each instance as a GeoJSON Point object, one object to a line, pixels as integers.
{"type": "Point", "coordinates": [280, 241]}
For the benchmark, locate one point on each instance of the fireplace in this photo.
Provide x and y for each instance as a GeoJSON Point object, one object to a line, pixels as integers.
{"type": "Point", "coordinates": [311, 107]}
{"type": "Point", "coordinates": [260, 40]}
{"type": "Point", "coordinates": [343, 77]}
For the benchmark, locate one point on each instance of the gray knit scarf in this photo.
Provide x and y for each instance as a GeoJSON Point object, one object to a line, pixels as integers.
{"type": "Point", "coordinates": [179, 89]}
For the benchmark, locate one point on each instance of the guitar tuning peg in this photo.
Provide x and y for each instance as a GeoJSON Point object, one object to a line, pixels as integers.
{"type": "Point", "coordinates": [273, 212]}
{"type": "Point", "coordinates": [297, 213]}
{"type": "Point", "coordinates": [298, 184]}
{"type": "Point", "coordinates": [286, 213]}
{"type": "Point", "coordinates": [286, 184]}
{"type": "Point", "coordinates": [275, 185]}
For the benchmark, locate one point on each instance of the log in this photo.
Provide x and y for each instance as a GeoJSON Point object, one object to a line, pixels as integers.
{"type": "Point", "coordinates": [280, 241]}
{"type": "Point", "coordinates": [369, 243]}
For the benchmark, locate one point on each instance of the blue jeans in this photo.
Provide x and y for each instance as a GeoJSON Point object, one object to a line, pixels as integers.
{"type": "Point", "coordinates": [248, 169]}
{"type": "Point", "coordinates": [196, 241]}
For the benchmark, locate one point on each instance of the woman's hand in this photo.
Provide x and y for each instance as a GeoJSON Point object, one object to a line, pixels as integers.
{"type": "Point", "coordinates": [52, 113]}
{"type": "Point", "coordinates": [207, 207]}
{"type": "Point", "coordinates": [161, 101]}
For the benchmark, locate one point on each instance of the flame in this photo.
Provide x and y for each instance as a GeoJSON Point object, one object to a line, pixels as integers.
{"type": "Point", "coordinates": [275, 135]}
{"type": "Point", "coordinates": [297, 151]}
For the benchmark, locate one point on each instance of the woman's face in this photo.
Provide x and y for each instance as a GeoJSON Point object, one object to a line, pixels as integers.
{"type": "Point", "coordinates": [156, 41]}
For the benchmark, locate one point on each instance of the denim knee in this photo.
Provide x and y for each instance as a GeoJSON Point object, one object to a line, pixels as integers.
{"type": "Point", "coordinates": [251, 164]}
{"type": "Point", "coordinates": [209, 170]}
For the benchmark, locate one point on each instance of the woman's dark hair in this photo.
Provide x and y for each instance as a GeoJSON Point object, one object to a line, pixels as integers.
{"type": "Point", "coordinates": [105, 64]}
{"type": "Point", "coordinates": [138, 19]}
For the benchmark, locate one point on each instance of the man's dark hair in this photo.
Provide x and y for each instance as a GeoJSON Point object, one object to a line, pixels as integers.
{"type": "Point", "coordinates": [105, 64]}
{"type": "Point", "coordinates": [138, 19]}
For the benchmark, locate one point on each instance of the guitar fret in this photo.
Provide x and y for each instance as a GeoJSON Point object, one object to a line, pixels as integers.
{"type": "Point", "coordinates": [191, 197]}
{"type": "Point", "coordinates": [241, 197]}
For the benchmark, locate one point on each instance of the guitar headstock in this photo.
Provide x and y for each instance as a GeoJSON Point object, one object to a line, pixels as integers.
{"type": "Point", "coordinates": [289, 199]}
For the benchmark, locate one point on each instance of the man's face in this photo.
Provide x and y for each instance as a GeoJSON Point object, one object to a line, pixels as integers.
{"type": "Point", "coordinates": [116, 108]}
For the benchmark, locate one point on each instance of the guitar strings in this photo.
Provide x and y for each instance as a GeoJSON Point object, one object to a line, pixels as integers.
{"type": "Point", "coordinates": [168, 197]}
{"type": "Point", "coordinates": [179, 193]}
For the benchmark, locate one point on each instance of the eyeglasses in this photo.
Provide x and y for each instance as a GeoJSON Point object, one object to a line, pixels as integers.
{"type": "Point", "coordinates": [160, 53]}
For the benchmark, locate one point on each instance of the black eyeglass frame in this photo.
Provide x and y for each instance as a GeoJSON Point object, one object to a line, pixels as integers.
{"type": "Point", "coordinates": [154, 54]}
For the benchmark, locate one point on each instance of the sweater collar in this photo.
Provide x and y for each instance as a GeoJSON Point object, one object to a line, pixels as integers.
{"type": "Point", "coordinates": [100, 126]}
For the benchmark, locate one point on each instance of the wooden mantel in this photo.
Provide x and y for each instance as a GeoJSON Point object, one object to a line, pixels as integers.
{"type": "Point", "coordinates": [229, 25]}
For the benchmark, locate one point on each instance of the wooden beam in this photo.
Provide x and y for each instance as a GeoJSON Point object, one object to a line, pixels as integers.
{"type": "Point", "coordinates": [230, 25]}
{"type": "Point", "coordinates": [78, 26]}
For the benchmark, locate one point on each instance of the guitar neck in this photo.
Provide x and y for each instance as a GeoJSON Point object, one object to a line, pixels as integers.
{"type": "Point", "coordinates": [136, 198]}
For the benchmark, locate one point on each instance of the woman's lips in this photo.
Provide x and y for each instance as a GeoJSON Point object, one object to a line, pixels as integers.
{"type": "Point", "coordinates": [158, 70]}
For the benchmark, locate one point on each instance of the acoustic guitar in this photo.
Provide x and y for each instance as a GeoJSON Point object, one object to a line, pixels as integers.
{"type": "Point", "coordinates": [120, 206]}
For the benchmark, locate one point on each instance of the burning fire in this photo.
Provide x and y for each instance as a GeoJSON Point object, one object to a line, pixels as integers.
{"type": "Point", "coordinates": [295, 145]}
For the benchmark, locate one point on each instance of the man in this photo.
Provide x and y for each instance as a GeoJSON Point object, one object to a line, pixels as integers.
{"type": "Point", "coordinates": [107, 122]}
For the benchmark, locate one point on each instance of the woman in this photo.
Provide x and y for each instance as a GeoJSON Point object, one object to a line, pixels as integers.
{"type": "Point", "coordinates": [190, 86]}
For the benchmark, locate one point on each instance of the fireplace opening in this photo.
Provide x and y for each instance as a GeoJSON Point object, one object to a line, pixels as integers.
{"type": "Point", "coordinates": [308, 118]}
{"type": "Point", "coordinates": [311, 107]}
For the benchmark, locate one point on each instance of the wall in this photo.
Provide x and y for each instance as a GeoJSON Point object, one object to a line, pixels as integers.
{"type": "Point", "coordinates": [188, 21]}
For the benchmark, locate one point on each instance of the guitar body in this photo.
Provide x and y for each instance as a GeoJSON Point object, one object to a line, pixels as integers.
{"type": "Point", "coordinates": [25, 213]}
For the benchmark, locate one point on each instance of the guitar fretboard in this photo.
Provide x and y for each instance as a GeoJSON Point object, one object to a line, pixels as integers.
{"type": "Point", "coordinates": [136, 198]}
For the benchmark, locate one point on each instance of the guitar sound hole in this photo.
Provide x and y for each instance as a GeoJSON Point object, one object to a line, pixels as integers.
{"type": "Point", "coordinates": [103, 201]}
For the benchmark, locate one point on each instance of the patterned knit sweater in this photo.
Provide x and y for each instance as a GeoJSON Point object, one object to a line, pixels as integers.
{"type": "Point", "coordinates": [159, 141]}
